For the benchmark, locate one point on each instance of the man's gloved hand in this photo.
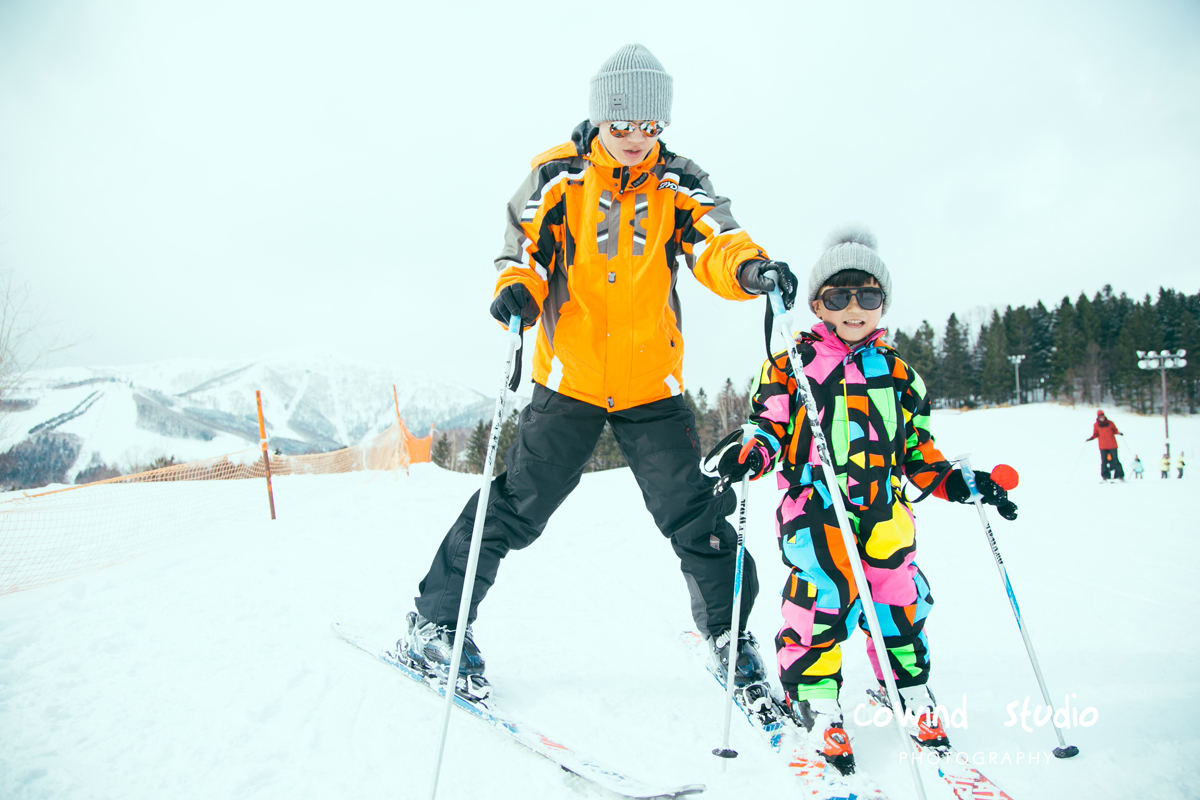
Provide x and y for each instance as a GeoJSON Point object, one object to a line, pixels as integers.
{"type": "Point", "coordinates": [516, 299]}
{"type": "Point", "coordinates": [750, 277]}
{"type": "Point", "coordinates": [730, 460]}
{"type": "Point", "coordinates": [990, 491]}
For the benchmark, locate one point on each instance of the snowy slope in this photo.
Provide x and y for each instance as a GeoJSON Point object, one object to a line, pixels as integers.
{"type": "Point", "coordinates": [207, 669]}
{"type": "Point", "coordinates": [194, 409]}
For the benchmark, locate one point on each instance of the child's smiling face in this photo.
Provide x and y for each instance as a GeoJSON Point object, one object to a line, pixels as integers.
{"type": "Point", "coordinates": [853, 323]}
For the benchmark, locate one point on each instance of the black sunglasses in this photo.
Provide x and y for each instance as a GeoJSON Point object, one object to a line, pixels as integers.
{"type": "Point", "coordinates": [869, 298]}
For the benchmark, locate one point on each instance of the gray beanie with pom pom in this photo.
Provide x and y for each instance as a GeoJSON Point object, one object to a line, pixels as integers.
{"type": "Point", "coordinates": [850, 247]}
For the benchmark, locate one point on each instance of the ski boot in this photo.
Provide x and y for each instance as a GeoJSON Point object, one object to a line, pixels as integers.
{"type": "Point", "coordinates": [750, 686]}
{"type": "Point", "coordinates": [749, 668]}
{"type": "Point", "coordinates": [428, 649]}
{"type": "Point", "coordinates": [823, 716]}
{"type": "Point", "coordinates": [930, 732]}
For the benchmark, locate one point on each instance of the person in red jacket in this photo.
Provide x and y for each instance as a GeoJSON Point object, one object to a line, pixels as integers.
{"type": "Point", "coordinates": [1106, 432]}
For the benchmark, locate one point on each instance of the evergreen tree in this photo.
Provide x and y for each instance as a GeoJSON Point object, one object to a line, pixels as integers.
{"type": "Point", "coordinates": [1090, 374]}
{"type": "Point", "coordinates": [919, 351]}
{"type": "Point", "coordinates": [508, 435]}
{"type": "Point", "coordinates": [996, 372]}
{"type": "Point", "coordinates": [477, 448]}
{"type": "Point", "coordinates": [1035, 369]}
{"type": "Point", "coordinates": [1018, 331]}
{"type": "Point", "coordinates": [954, 364]}
{"type": "Point", "coordinates": [441, 452]}
{"type": "Point", "coordinates": [1068, 351]}
{"type": "Point", "coordinates": [1138, 332]}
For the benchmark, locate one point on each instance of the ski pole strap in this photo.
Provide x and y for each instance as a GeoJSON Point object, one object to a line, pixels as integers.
{"type": "Point", "coordinates": [768, 328]}
{"type": "Point", "coordinates": [775, 308]}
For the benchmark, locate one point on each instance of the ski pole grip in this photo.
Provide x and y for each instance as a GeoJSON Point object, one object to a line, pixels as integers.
{"type": "Point", "coordinates": [514, 330]}
{"type": "Point", "coordinates": [964, 466]}
{"type": "Point", "coordinates": [777, 306]}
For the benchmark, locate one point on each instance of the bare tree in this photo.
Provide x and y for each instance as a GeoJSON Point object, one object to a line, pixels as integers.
{"type": "Point", "coordinates": [26, 335]}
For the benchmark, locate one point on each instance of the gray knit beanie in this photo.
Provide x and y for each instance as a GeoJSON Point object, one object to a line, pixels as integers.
{"type": "Point", "coordinates": [631, 85]}
{"type": "Point", "coordinates": [850, 247]}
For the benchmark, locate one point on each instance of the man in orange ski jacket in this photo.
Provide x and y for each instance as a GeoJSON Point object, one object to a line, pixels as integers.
{"type": "Point", "coordinates": [592, 249]}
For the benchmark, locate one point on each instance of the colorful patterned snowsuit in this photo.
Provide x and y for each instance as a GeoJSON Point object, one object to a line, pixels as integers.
{"type": "Point", "coordinates": [875, 415]}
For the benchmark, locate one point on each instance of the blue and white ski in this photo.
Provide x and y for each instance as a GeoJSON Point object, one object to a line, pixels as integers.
{"type": "Point", "coordinates": [487, 711]}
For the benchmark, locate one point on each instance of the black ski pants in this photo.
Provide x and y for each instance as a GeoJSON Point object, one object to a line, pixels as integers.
{"type": "Point", "coordinates": [556, 435]}
{"type": "Point", "coordinates": [1110, 465]}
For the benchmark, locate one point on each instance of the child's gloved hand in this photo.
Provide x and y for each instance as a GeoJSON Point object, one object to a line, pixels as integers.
{"type": "Point", "coordinates": [991, 488]}
{"type": "Point", "coordinates": [730, 460]}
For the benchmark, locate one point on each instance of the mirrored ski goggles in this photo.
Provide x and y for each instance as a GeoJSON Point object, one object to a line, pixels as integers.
{"type": "Point", "coordinates": [869, 298]}
{"type": "Point", "coordinates": [622, 128]}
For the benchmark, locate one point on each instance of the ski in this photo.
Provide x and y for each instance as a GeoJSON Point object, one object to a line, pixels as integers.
{"type": "Point", "coordinates": [770, 720]}
{"type": "Point", "coordinates": [965, 781]}
{"type": "Point", "coordinates": [487, 711]}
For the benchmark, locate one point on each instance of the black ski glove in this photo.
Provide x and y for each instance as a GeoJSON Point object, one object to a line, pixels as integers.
{"type": "Point", "coordinates": [750, 277]}
{"type": "Point", "coordinates": [730, 460]}
{"type": "Point", "coordinates": [516, 299]}
{"type": "Point", "coordinates": [991, 492]}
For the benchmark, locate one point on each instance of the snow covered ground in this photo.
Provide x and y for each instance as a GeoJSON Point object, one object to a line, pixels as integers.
{"type": "Point", "coordinates": [207, 669]}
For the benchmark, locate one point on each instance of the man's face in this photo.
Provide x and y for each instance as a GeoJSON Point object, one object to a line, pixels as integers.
{"type": "Point", "coordinates": [853, 323]}
{"type": "Point", "coordinates": [631, 149]}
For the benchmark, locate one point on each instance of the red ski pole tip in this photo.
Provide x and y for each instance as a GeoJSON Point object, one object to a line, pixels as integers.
{"type": "Point", "coordinates": [1006, 477]}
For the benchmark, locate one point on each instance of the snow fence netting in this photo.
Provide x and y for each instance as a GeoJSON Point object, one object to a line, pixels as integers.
{"type": "Point", "coordinates": [54, 535]}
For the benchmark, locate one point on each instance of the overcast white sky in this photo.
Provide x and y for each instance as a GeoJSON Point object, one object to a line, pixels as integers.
{"type": "Point", "coordinates": [227, 179]}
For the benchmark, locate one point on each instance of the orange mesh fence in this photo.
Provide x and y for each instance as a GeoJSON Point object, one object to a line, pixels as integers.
{"type": "Point", "coordinates": [419, 450]}
{"type": "Point", "coordinates": [55, 535]}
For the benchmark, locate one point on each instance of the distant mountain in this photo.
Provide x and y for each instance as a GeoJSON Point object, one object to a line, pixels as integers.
{"type": "Point", "coordinates": [84, 417]}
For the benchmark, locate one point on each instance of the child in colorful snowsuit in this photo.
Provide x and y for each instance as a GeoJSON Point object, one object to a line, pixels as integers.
{"type": "Point", "coordinates": [875, 413]}
{"type": "Point", "coordinates": [1138, 469]}
{"type": "Point", "coordinates": [1179, 463]}
{"type": "Point", "coordinates": [1165, 466]}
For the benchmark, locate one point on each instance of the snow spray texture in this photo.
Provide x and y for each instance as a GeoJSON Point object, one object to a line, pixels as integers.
{"type": "Point", "coordinates": [595, 243]}
{"type": "Point", "coordinates": [55, 535]}
{"type": "Point", "coordinates": [875, 414]}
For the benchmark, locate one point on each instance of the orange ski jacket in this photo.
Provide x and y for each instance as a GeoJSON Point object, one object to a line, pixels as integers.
{"type": "Point", "coordinates": [596, 243]}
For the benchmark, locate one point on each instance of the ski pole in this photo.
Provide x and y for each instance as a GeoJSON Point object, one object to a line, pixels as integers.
{"type": "Point", "coordinates": [1064, 750]}
{"type": "Point", "coordinates": [783, 324]}
{"type": "Point", "coordinates": [1075, 468]}
{"type": "Point", "coordinates": [513, 335]}
{"type": "Point", "coordinates": [724, 751]}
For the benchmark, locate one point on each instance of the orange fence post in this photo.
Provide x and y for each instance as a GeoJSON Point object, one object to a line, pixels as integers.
{"type": "Point", "coordinates": [262, 439]}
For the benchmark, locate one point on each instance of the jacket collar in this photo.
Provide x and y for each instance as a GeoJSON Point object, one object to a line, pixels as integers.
{"type": "Point", "coordinates": [827, 343]}
{"type": "Point", "coordinates": [616, 176]}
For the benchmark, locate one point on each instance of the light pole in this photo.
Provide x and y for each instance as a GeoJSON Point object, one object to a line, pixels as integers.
{"type": "Point", "coordinates": [1163, 361]}
{"type": "Point", "coordinates": [1016, 362]}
